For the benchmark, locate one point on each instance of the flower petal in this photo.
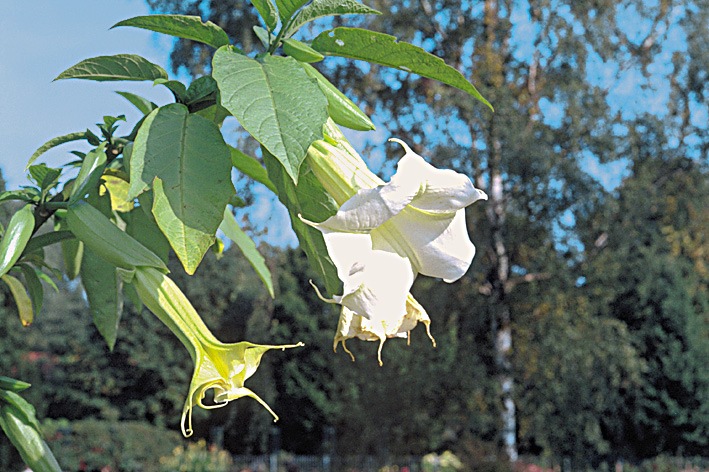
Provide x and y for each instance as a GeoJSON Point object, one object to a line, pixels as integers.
{"type": "Point", "coordinates": [352, 325]}
{"type": "Point", "coordinates": [443, 190]}
{"type": "Point", "coordinates": [437, 246]}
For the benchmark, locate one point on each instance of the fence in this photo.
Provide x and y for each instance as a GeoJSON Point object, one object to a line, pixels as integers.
{"type": "Point", "coordinates": [292, 463]}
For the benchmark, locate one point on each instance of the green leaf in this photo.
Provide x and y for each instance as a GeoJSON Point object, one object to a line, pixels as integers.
{"type": "Point", "coordinates": [201, 89]}
{"type": "Point", "coordinates": [72, 250]}
{"type": "Point", "coordinates": [286, 8]}
{"type": "Point", "coordinates": [264, 36]}
{"type": "Point", "coordinates": [47, 239]}
{"type": "Point", "coordinates": [144, 229]}
{"type": "Point", "coordinates": [268, 12]}
{"type": "Point", "coordinates": [383, 49]}
{"type": "Point", "coordinates": [232, 231]}
{"type": "Point", "coordinates": [215, 113]}
{"type": "Point", "coordinates": [118, 67]}
{"type": "Point", "coordinates": [22, 300]}
{"type": "Point", "coordinates": [275, 101]}
{"type": "Point", "coordinates": [34, 287]}
{"type": "Point", "coordinates": [104, 290]}
{"type": "Point", "coordinates": [309, 199]}
{"type": "Point", "coordinates": [301, 51]}
{"type": "Point", "coordinates": [181, 26]}
{"type": "Point", "coordinates": [54, 142]}
{"type": "Point", "coordinates": [321, 8]}
{"type": "Point", "coordinates": [18, 421]}
{"type": "Point", "coordinates": [89, 174]}
{"type": "Point", "coordinates": [18, 233]}
{"type": "Point", "coordinates": [177, 88]}
{"type": "Point", "coordinates": [117, 189]}
{"type": "Point", "coordinates": [13, 385]}
{"type": "Point", "coordinates": [46, 177]}
{"type": "Point", "coordinates": [26, 195]}
{"type": "Point", "coordinates": [143, 104]}
{"type": "Point", "coordinates": [341, 109]}
{"type": "Point", "coordinates": [188, 156]}
{"type": "Point", "coordinates": [252, 167]}
{"type": "Point", "coordinates": [25, 410]}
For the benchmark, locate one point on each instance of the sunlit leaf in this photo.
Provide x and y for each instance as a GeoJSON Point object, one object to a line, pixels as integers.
{"type": "Point", "coordinates": [380, 48]}
{"type": "Point", "coordinates": [181, 26]}
{"type": "Point", "coordinates": [275, 101]}
{"type": "Point", "coordinates": [111, 68]}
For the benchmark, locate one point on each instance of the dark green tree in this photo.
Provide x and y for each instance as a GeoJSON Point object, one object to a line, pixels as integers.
{"type": "Point", "coordinates": [651, 273]}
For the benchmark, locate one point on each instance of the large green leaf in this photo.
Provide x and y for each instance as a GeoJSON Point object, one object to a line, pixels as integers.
{"type": "Point", "coordinates": [118, 67]}
{"type": "Point", "coordinates": [309, 199]}
{"type": "Point", "coordinates": [103, 288]}
{"type": "Point", "coordinates": [181, 26]}
{"type": "Point", "coordinates": [54, 142]}
{"type": "Point", "coordinates": [384, 49]}
{"type": "Point", "coordinates": [186, 159]}
{"type": "Point", "coordinates": [275, 101]}
{"type": "Point", "coordinates": [320, 8]}
{"type": "Point", "coordinates": [251, 167]}
{"type": "Point", "coordinates": [268, 12]}
{"type": "Point", "coordinates": [232, 231]}
{"type": "Point", "coordinates": [286, 8]}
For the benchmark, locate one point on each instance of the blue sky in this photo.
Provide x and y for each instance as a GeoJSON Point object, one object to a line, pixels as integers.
{"type": "Point", "coordinates": [38, 40]}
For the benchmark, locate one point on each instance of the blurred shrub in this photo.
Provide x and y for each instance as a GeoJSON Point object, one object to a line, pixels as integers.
{"type": "Point", "coordinates": [445, 462]}
{"type": "Point", "coordinates": [128, 446]}
{"type": "Point", "coordinates": [197, 457]}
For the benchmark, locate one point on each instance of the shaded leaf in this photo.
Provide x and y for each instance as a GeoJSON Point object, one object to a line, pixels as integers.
{"type": "Point", "coordinates": [177, 88]}
{"type": "Point", "coordinates": [104, 290]}
{"type": "Point", "coordinates": [34, 287]}
{"type": "Point", "coordinates": [144, 229]}
{"type": "Point", "coordinates": [22, 299]}
{"type": "Point", "coordinates": [252, 167]}
{"type": "Point", "coordinates": [47, 239]}
{"type": "Point", "coordinates": [309, 199]}
{"type": "Point", "coordinates": [232, 231]}
{"type": "Point", "coordinates": [201, 89]}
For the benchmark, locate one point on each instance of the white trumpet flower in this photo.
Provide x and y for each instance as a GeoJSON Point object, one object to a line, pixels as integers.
{"type": "Point", "coordinates": [384, 234]}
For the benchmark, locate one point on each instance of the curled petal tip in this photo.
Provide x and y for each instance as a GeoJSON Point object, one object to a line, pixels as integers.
{"type": "Point", "coordinates": [402, 143]}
